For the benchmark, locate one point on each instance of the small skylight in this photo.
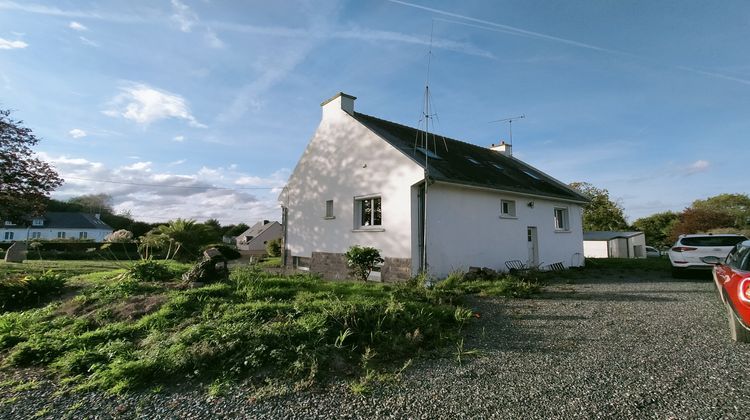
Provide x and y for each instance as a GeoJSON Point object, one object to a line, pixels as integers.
{"type": "Point", "coordinates": [498, 166]}
{"type": "Point", "coordinates": [531, 174]}
{"type": "Point", "coordinates": [472, 160]}
{"type": "Point", "coordinates": [430, 154]}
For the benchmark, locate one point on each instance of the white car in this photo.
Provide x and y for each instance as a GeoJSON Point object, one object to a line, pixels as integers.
{"type": "Point", "coordinates": [687, 252]}
{"type": "Point", "coordinates": [652, 252]}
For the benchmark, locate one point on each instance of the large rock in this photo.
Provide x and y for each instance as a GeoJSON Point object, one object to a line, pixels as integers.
{"type": "Point", "coordinates": [212, 268]}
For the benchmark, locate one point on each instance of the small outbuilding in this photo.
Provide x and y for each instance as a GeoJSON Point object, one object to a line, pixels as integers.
{"type": "Point", "coordinates": [605, 244]}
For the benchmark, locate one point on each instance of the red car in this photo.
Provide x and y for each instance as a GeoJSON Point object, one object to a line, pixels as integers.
{"type": "Point", "coordinates": [732, 278]}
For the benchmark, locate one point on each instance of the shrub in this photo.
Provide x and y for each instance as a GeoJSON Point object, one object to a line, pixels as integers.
{"type": "Point", "coordinates": [273, 247]}
{"type": "Point", "coordinates": [20, 292]}
{"type": "Point", "coordinates": [150, 270]}
{"type": "Point", "coordinates": [362, 259]}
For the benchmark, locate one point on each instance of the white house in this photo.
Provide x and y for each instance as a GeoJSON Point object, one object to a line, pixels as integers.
{"type": "Point", "coordinates": [57, 225]}
{"type": "Point", "coordinates": [361, 180]}
{"type": "Point", "coordinates": [254, 239]}
{"type": "Point", "coordinates": [605, 244]}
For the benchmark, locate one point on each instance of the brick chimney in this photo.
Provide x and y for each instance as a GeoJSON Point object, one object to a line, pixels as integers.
{"type": "Point", "coordinates": [340, 102]}
{"type": "Point", "coordinates": [503, 148]}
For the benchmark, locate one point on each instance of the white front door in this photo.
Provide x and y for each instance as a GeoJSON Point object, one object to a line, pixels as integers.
{"type": "Point", "coordinates": [533, 247]}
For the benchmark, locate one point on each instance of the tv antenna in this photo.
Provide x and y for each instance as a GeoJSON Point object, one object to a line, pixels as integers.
{"type": "Point", "coordinates": [510, 125]}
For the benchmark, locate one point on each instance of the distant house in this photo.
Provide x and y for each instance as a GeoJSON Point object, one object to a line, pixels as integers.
{"type": "Point", "coordinates": [448, 206]}
{"type": "Point", "coordinates": [604, 244]}
{"type": "Point", "coordinates": [254, 239]}
{"type": "Point", "coordinates": [57, 225]}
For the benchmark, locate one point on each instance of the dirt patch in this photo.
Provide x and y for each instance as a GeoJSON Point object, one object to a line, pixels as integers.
{"type": "Point", "coordinates": [138, 306]}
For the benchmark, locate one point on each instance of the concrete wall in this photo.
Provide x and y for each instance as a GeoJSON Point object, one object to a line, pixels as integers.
{"type": "Point", "coordinates": [465, 229]}
{"type": "Point", "coordinates": [345, 160]}
{"type": "Point", "coordinates": [20, 234]}
{"type": "Point", "coordinates": [595, 249]}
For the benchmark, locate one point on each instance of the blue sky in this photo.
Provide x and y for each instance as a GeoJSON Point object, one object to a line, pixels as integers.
{"type": "Point", "coordinates": [162, 99]}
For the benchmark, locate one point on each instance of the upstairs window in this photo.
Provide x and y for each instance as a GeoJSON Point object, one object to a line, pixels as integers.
{"type": "Point", "coordinates": [561, 219]}
{"type": "Point", "coordinates": [507, 208]}
{"type": "Point", "coordinates": [37, 222]}
{"type": "Point", "coordinates": [329, 209]}
{"type": "Point", "coordinates": [368, 212]}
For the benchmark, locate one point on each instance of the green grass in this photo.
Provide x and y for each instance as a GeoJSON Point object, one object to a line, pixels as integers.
{"type": "Point", "coordinates": [125, 334]}
{"type": "Point", "coordinates": [271, 262]}
{"type": "Point", "coordinates": [66, 268]}
{"type": "Point", "coordinates": [503, 284]}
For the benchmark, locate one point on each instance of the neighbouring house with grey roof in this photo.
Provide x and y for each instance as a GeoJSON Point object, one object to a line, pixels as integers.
{"type": "Point", "coordinates": [446, 206]}
{"type": "Point", "coordinates": [608, 244]}
{"type": "Point", "coordinates": [57, 225]}
{"type": "Point", "coordinates": [253, 241]}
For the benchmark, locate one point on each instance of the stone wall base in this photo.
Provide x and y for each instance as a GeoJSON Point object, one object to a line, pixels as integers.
{"type": "Point", "coordinates": [332, 266]}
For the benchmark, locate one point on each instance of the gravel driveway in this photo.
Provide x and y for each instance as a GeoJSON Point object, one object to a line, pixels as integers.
{"type": "Point", "coordinates": [625, 346]}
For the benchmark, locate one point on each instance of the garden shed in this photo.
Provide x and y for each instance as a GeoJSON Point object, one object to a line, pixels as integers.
{"type": "Point", "coordinates": [607, 244]}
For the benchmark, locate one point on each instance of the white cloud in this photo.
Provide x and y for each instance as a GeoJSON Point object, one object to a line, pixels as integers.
{"type": "Point", "coordinates": [178, 138]}
{"type": "Point", "coordinates": [77, 133]}
{"type": "Point", "coordinates": [698, 166]}
{"type": "Point", "coordinates": [184, 16]}
{"type": "Point", "coordinates": [144, 104]}
{"type": "Point", "coordinates": [77, 26]}
{"type": "Point", "coordinates": [212, 40]}
{"type": "Point", "coordinates": [155, 195]}
{"type": "Point", "coordinates": [12, 45]}
{"type": "Point", "coordinates": [177, 162]}
{"type": "Point", "coordinates": [88, 41]}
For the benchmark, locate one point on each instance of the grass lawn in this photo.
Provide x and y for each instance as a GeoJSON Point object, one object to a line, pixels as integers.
{"type": "Point", "coordinates": [72, 267]}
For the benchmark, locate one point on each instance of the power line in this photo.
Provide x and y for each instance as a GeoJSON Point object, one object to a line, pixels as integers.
{"type": "Point", "coordinates": [169, 186]}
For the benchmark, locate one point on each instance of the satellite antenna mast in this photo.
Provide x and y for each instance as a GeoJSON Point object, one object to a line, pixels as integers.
{"type": "Point", "coordinates": [425, 144]}
{"type": "Point", "coordinates": [510, 125]}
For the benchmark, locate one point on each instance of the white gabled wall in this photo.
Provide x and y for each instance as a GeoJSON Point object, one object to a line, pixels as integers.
{"type": "Point", "coordinates": [465, 229]}
{"type": "Point", "coordinates": [345, 160]}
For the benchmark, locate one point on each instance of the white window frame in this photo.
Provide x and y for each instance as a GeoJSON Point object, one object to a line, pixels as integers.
{"type": "Point", "coordinates": [329, 210]}
{"type": "Point", "coordinates": [83, 235]}
{"type": "Point", "coordinates": [358, 204]}
{"type": "Point", "coordinates": [511, 207]}
{"type": "Point", "coordinates": [561, 224]}
{"type": "Point", "coordinates": [9, 236]}
{"type": "Point", "coordinates": [36, 235]}
{"type": "Point", "coordinates": [37, 222]}
{"type": "Point", "coordinates": [61, 235]}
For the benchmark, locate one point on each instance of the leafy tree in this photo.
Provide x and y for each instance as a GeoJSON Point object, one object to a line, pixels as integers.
{"type": "Point", "coordinates": [601, 213]}
{"type": "Point", "coordinates": [93, 203]}
{"type": "Point", "coordinates": [215, 227]}
{"type": "Point", "coordinates": [273, 247]}
{"type": "Point", "coordinates": [25, 181]}
{"type": "Point", "coordinates": [657, 227]}
{"type": "Point", "coordinates": [362, 259]}
{"type": "Point", "coordinates": [700, 220]}
{"type": "Point", "coordinates": [736, 205]}
{"type": "Point", "coordinates": [235, 230]}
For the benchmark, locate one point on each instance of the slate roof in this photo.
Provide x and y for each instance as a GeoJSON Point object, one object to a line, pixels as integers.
{"type": "Point", "coordinates": [255, 230]}
{"type": "Point", "coordinates": [72, 220]}
{"type": "Point", "coordinates": [467, 164]}
{"type": "Point", "coordinates": [608, 235]}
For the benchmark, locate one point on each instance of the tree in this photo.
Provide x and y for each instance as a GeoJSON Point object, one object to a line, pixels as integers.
{"type": "Point", "coordinates": [657, 228]}
{"type": "Point", "coordinates": [736, 205]}
{"type": "Point", "coordinates": [601, 213]}
{"type": "Point", "coordinates": [235, 230]}
{"type": "Point", "coordinates": [361, 260]}
{"type": "Point", "coordinates": [215, 227]}
{"type": "Point", "coordinates": [273, 247]}
{"type": "Point", "coordinates": [700, 220]}
{"type": "Point", "coordinates": [25, 181]}
{"type": "Point", "coordinates": [184, 238]}
{"type": "Point", "coordinates": [93, 203]}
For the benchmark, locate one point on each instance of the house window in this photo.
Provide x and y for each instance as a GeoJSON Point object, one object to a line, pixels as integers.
{"type": "Point", "coordinates": [9, 223]}
{"type": "Point", "coordinates": [60, 235]}
{"type": "Point", "coordinates": [8, 236]}
{"type": "Point", "coordinates": [507, 208]}
{"type": "Point", "coordinates": [37, 222]}
{"type": "Point", "coordinates": [561, 219]}
{"type": "Point", "coordinates": [329, 209]}
{"type": "Point", "coordinates": [36, 235]}
{"type": "Point", "coordinates": [83, 235]}
{"type": "Point", "coordinates": [368, 212]}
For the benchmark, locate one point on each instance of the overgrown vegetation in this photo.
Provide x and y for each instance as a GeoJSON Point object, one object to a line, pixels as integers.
{"type": "Point", "coordinates": [29, 290]}
{"type": "Point", "coordinates": [127, 334]}
{"type": "Point", "coordinates": [521, 285]}
{"type": "Point", "coordinates": [273, 248]}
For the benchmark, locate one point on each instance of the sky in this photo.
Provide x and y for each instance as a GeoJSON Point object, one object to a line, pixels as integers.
{"type": "Point", "coordinates": [201, 108]}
